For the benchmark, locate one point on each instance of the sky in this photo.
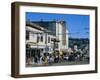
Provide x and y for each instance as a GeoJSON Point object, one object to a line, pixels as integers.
{"type": "Point", "coordinates": [77, 25]}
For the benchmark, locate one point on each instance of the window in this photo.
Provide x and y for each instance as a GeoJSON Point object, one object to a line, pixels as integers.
{"type": "Point", "coordinates": [41, 38]}
{"type": "Point", "coordinates": [37, 39]}
{"type": "Point", "coordinates": [27, 35]}
{"type": "Point", "coordinates": [48, 39]}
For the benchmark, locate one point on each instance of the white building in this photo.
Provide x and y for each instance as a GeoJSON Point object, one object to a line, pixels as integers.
{"type": "Point", "coordinates": [40, 36]}
{"type": "Point", "coordinates": [62, 35]}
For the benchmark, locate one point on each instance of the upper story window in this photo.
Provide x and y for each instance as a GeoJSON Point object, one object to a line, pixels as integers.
{"type": "Point", "coordinates": [38, 39]}
{"type": "Point", "coordinates": [27, 35]}
{"type": "Point", "coordinates": [48, 39]}
{"type": "Point", "coordinates": [41, 38]}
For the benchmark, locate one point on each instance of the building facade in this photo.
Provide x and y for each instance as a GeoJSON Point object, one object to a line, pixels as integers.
{"type": "Point", "coordinates": [62, 35]}
{"type": "Point", "coordinates": [45, 37]}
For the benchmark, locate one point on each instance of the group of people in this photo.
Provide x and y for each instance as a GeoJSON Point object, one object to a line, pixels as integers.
{"type": "Point", "coordinates": [59, 56]}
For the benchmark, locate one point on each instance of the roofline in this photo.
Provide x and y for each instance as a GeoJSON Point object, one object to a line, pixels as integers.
{"type": "Point", "coordinates": [33, 25]}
